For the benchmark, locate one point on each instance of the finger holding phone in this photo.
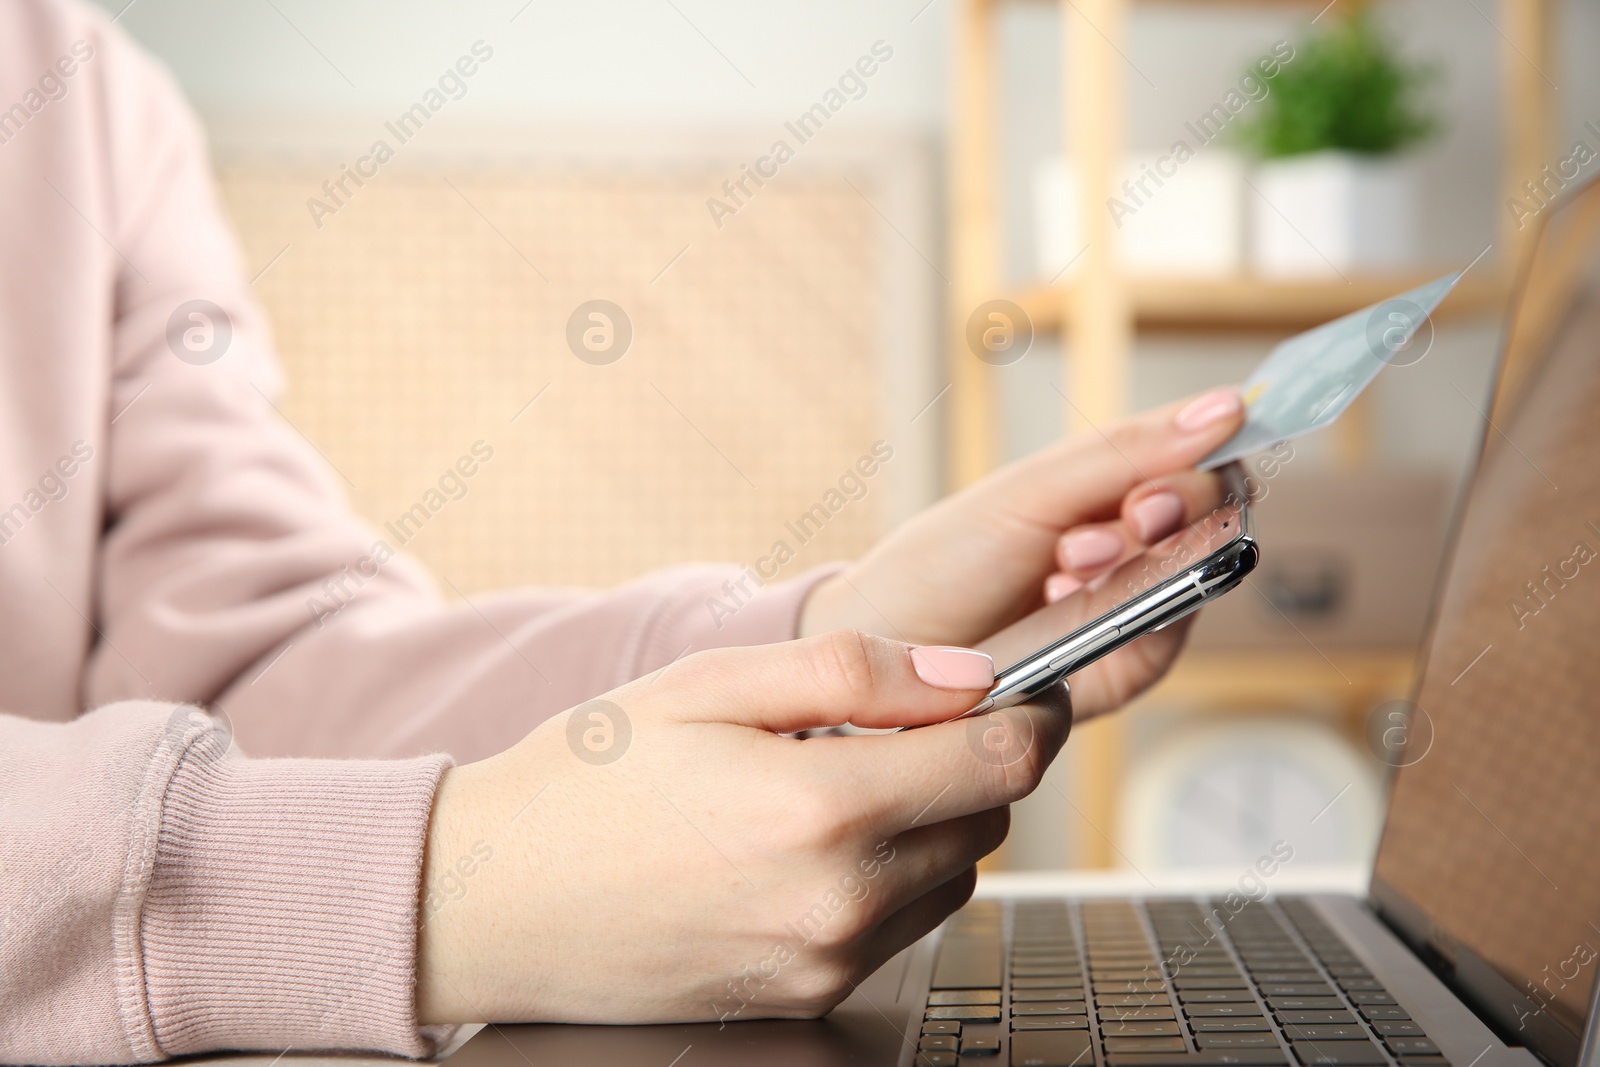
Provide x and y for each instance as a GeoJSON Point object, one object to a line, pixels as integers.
{"type": "Point", "coordinates": [720, 869]}
{"type": "Point", "coordinates": [1002, 548]}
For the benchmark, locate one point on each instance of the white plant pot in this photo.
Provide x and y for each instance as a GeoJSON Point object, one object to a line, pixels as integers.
{"type": "Point", "coordinates": [1330, 213]}
{"type": "Point", "coordinates": [1188, 223]}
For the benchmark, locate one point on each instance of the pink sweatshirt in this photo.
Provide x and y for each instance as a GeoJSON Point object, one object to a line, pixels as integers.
{"type": "Point", "coordinates": [161, 532]}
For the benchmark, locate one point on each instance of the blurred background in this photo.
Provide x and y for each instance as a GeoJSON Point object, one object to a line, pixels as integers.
{"type": "Point", "coordinates": [678, 264]}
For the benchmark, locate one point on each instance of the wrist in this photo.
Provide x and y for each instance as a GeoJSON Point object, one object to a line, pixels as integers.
{"type": "Point", "coordinates": [444, 944]}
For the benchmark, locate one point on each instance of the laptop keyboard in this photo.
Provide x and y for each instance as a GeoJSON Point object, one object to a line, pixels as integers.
{"type": "Point", "coordinates": [1158, 983]}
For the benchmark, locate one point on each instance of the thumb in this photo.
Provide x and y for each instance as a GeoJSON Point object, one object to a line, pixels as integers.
{"type": "Point", "coordinates": [827, 680]}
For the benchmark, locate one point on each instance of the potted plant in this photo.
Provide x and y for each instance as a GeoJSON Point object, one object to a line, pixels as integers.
{"type": "Point", "coordinates": [1335, 191]}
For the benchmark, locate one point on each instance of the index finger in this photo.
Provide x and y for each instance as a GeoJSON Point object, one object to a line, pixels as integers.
{"type": "Point", "coordinates": [1085, 477]}
{"type": "Point", "coordinates": [938, 772]}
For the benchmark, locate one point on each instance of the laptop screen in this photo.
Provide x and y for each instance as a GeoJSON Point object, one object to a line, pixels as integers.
{"type": "Point", "coordinates": [1490, 860]}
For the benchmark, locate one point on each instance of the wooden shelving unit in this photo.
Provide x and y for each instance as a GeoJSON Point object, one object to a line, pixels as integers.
{"type": "Point", "coordinates": [1232, 305]}
{"type": "Point", "coordinates": [1102, 309]}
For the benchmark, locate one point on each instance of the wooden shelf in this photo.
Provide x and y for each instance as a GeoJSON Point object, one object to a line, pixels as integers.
{"type": "Point", "coordinates": [1238, 678]}
{"type": "Point", "coordinates": [1101, 310]}
{"type": "Point", "coordinates": [1248, 303]}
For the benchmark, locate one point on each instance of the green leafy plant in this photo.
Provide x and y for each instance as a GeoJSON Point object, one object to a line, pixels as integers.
{"type": "Point", "coordinates": [1348, 88]}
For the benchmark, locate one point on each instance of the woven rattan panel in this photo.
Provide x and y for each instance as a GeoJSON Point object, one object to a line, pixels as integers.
{"type": "Point", "coordinates": [426, 313]}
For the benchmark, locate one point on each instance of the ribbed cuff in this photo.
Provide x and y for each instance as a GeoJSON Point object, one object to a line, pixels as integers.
{"type": "Point", "coordinates": [282, 908]}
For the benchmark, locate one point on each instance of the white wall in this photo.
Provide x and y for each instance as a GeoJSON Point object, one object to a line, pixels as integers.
{"type": "Point", "coordinates": [622, 62]}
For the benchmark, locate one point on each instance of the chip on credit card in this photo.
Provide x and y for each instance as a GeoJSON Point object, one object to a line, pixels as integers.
{"type": "Point", "coordinates": [1310, 379]}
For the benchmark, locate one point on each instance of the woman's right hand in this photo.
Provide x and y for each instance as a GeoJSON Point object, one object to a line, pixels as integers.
{"type": "Point", "coordinates": [665, 854]}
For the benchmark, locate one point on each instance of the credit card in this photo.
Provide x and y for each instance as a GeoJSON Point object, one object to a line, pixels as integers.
{"type": "Point", "coordinates": [1310, 379]}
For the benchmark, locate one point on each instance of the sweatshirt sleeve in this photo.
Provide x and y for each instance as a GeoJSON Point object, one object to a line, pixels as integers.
{"type": "Point", "coordinates": [229, 542]}
{"type": "Point", "coordinates": [163, 895]}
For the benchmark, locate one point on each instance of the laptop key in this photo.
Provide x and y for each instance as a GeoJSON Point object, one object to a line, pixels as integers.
{"type": "Point", "coordinates": [1363, 996]}
{"type": "Point", "coordinates": [941, 1027]}
{"type": "Point", "coordinates": [1246, 1040]}
{"type": "Point", "coordinates": [1305, 1003]}
{"type": "Point", "coordinates": [1062, 993]}
{"type": "Point", "coordinates": [938, 1043]}
{"type": "Point", "coordinates": [1109, 1015]}
{"type": "Point", "coordinates": [1045, 982]}
{"type": "Point", "coordinates": [1234, 981]}
{"type": "Point", "coordinates": [1214, 1057]}
{"type": "Point", "coordinates": [1287, 1017]}
{"type": "Point", "coordinates": [987, 1013]}
{"type": "Point", "coordinates": [1050, 1007]}
{"type": "Point", "coordinates": [1374, 1012]}
{"type": "Point", "coordinates": [1339, 1053]}
{"type": "Point", "coordinates": [1102, 990]}
{"type": "Point", "coordinates": [1326, 1032]}
{"type": "Point", "coordinates": [1213, 971]}
{"type": "Point", "coordinates": [964, 996]}
{"type": "Point", "coordinates": [1132, 1000]}
{"type": "Point", "coordinates": [1296, 989]}
{"type": "Point", "coordinates": [1212, 1011]}
{"type": "Point", "coordinates": [1051, 1048]}
{"type": "Point", "coordinates": [1216, 1026]}
{"type": "Point", "coordinates": [1413, 1046]}
{"type": "Point", "coordinates": [1051, 1022]}
{"type": "Point", "coordinates": [937, 1059]}
{"type": "Point", "coordinates": [980, 1046]}
{"type": "Point", "coordinates": [1353, 984]}
{"type": "Point", "coordinates": [1216, 996]}
{"type": "Point", "coordinates": [1146, 1044]}
{"type": "Point", "coordinates": [1397, 1028]}
{"type": "Point", "coordinates": [1140, 1028]}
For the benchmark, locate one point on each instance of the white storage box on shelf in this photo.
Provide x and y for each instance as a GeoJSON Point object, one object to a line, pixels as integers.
{"type": "Point", "coordinates": [1324, 214]}
{"type": "Point", "coordinates": [1171, 217]}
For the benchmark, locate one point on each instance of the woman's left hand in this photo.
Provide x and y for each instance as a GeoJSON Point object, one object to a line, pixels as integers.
{"type": "Point", "coordinates": [1034, 531]}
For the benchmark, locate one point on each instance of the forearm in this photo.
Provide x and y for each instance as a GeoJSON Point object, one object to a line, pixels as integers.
{"type": "Point", "coordinates": [397, 678]}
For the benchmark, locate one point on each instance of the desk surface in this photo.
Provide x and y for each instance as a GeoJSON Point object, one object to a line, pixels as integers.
{"type": "Point", "coordinates": [1319, 879]}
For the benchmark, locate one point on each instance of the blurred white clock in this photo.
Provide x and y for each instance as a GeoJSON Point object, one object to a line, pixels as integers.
{"type": "Point", "coordinates": [1218, 792]}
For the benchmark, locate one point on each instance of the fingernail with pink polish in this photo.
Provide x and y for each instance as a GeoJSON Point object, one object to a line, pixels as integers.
{"type": "Point", "coordinates": [1088, 549]}
{"type": "Point", "coordinates": [1208, 409]}
{"type": "Point", "coordinates": [948, 667]}
{"type": "Point", "coordinates": [1060, 585]}
{"type": "Point", "coordinates": [1156, 516]}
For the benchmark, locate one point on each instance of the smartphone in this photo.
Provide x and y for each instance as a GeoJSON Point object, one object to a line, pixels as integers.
{"type": "Point", "coordinates": [1167, 581]}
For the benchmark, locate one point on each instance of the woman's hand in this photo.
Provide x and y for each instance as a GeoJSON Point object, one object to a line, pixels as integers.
{"type": "Point", "coordinates": [1033, 532]}
{"type": "Point", "coordinates": [665, 854]}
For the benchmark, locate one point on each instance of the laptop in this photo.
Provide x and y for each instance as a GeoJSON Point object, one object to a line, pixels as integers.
{"type": "Point", "coordinates": [1477, 943]}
